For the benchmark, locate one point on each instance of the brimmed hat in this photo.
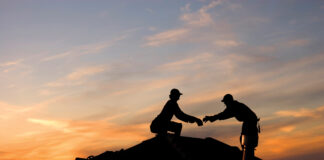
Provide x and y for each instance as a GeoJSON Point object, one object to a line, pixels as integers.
{"type": "Point", "coordinates": [175, 91]}
{"type": "Point", "coordinates": [227, 97]}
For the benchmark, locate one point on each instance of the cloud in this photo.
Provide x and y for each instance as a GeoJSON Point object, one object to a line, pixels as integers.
{"type": "Point", "coordinates": [11, 63]}
{"type": "Point", "coordinates": [77, 77]}
{"type": "Point", "coordinates": [189, 61]}
{"type": "Point", "coordinates": [303, 112]}
{"type": "Point", "coordinates": [287, 128]}
{"type": "Point", "coordinates": [166, 37]}
{"type": "Point", "coordinates": [192, 22]}
{"type": "Point", "coordinates": [298, 42]}
{"type": "Point", "coordinates": [12, 111]}
{"type": "Point", "coordinates": [50, 123]}
{"type": "Point", "coordinates": [57, 56]}
{"type": "Point", "coordinates": [83, 72]}
{"type": "Point", "coordinates": [85, 49]}
{"type": "Point", "coordinates": [186, 8]}
{"type": "Point", "coordinates": [199, 18]}
{"type": "Point", "coordinates": [266, 85]}
{"type": "Point", "coordinates": [226, 43]}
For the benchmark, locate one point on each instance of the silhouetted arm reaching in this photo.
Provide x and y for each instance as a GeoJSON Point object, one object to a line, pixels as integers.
{"type": "Point", "coordinates": [221, 116]}
{"type": "Point", "coordinates": [187, 118]}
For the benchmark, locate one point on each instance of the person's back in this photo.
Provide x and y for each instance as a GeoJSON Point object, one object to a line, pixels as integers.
{"type": "Point", "coordinates": [168, 110]}
{"type": "Point", "coordinates": [243, 113]}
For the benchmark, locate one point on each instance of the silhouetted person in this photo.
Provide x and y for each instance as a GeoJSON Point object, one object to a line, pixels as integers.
{"type": "Point", "coordinates": [162, 123]}
{"type": "Point", "coordinates": [249, 135]}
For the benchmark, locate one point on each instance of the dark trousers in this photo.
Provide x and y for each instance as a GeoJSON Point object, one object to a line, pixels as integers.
{"type": "Point", "coordinates": [249, 139]}
{"type": "Point", "coordinates": [161, 127]}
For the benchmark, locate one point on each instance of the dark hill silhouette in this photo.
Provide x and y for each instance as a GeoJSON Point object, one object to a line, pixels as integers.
{"type": "Point", "coordinates": [171, 148]}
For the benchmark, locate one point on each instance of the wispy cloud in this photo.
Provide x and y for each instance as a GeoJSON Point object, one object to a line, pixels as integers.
{"type": "Point", "coordinates": [50, 123]}
{"type": "Point", "coordinates": [57, 56]}
{"type": "Point", "coordinates": [226, 43]}
{"type": "Point", "coordinates": [303, 112]}
{"type": "Point", "coordinates": [83, 72]}
{"type": "Point", "coordinates": [11, 63]}
{"type": "Point", "coordinates": [85, 49]}
{"type": "Point", "coordinates": [77, 77]}
{"type": "Point", "coordinates": [192, 21]}
{"type": "Point", "coordinates": [201, 17]}
{"type": "Point", "coordinates": [287, 128]}
{"type": "Point", "coordinates": [166, 37]}
{"type": "Point", "coordinates": [189, 61]}
{"type": "Point", "coordinates": [11, 111]}
{"type": "Point", "coordinates": [186, 8]}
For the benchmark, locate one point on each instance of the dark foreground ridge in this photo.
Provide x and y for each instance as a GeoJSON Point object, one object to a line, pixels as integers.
{"type": "Point", "coordinates": [171, 148]}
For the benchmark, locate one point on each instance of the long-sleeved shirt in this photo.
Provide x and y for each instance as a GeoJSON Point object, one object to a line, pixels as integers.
{"type": "Point", "coordinates": [238, 110]}
{"type": "Point", "coordinates": [172, 108]}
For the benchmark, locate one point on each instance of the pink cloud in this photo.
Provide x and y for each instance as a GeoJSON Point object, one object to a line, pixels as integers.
{"type": "Point", "coordinates": [166, 37]}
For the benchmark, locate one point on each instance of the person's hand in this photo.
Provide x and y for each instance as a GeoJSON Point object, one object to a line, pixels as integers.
{"type": "Point", "coordinates": [210, 118]}
{"type": "Point", "coordinates": [207, 118]}
{"type": "Point", "coordinates": [199, 122]}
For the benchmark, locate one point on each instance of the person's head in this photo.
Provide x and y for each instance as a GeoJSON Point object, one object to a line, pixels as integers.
{"type": "Point", "coordinates": [175, 94]}
{"type": "Point", "coordinates": [228, 99]}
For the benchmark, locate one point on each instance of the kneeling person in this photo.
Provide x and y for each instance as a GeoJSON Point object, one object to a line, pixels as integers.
{"type": "Point", "coordinates": [162, 123]}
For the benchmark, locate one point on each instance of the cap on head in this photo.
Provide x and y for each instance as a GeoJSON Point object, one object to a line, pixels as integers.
{"type": "Point", "coordinates": [228, 98]}
{"type": "Point", "coordinates": [175, 91]}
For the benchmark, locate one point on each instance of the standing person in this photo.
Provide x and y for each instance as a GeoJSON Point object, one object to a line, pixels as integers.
{"type": "Point", "coordinates": [249, 135]}
{"type": "Point", "coordinates": [162, 123]}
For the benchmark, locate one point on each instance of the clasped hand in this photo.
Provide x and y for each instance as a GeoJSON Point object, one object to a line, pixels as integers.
{"type": "Point", "coordinates": [209, 118]}
{"type": "Point", "coordinates": [198, 121]}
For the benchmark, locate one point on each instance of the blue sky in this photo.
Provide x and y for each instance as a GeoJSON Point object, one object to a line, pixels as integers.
{"type": "Point", "coordinates": [68, 67]}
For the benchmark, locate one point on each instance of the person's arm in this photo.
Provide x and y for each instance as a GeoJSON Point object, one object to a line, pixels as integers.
{"type": "Point", "coordinates": [221, 116]}
{"type": "Point", "coordinates": [185, 117]}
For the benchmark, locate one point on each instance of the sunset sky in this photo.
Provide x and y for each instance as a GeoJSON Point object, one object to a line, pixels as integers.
{"type": "Point", "coordinates": [81, 77]}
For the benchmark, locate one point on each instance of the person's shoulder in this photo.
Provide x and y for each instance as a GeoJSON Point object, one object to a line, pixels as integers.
{"type": "Point", "coordinates": [237, 103]}
{"type": "Point", "coordinates": [171, 102]}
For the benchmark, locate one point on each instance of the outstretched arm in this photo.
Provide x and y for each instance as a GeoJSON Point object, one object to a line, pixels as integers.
{"type": "Point", "coordinates": [210, 118]}
{"type": "Point", "coordinates": [221, 116]}
{"type": "Point", "coordinates": [187, 118]}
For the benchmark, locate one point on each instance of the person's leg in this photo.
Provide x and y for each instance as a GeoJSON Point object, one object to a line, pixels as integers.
{"type": "Point", "coordinates": [175, 127]}
{"type": "Point", "coordinates": [178, 129]}
{"type": "Point", "coordinates": [159, 128]}
{"type": "Point", "coordinates": [249, 143]}
{"type": "Point", "coordinates": [154, 127]}
{"type": "Point", "coordinates": [248, 153]}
